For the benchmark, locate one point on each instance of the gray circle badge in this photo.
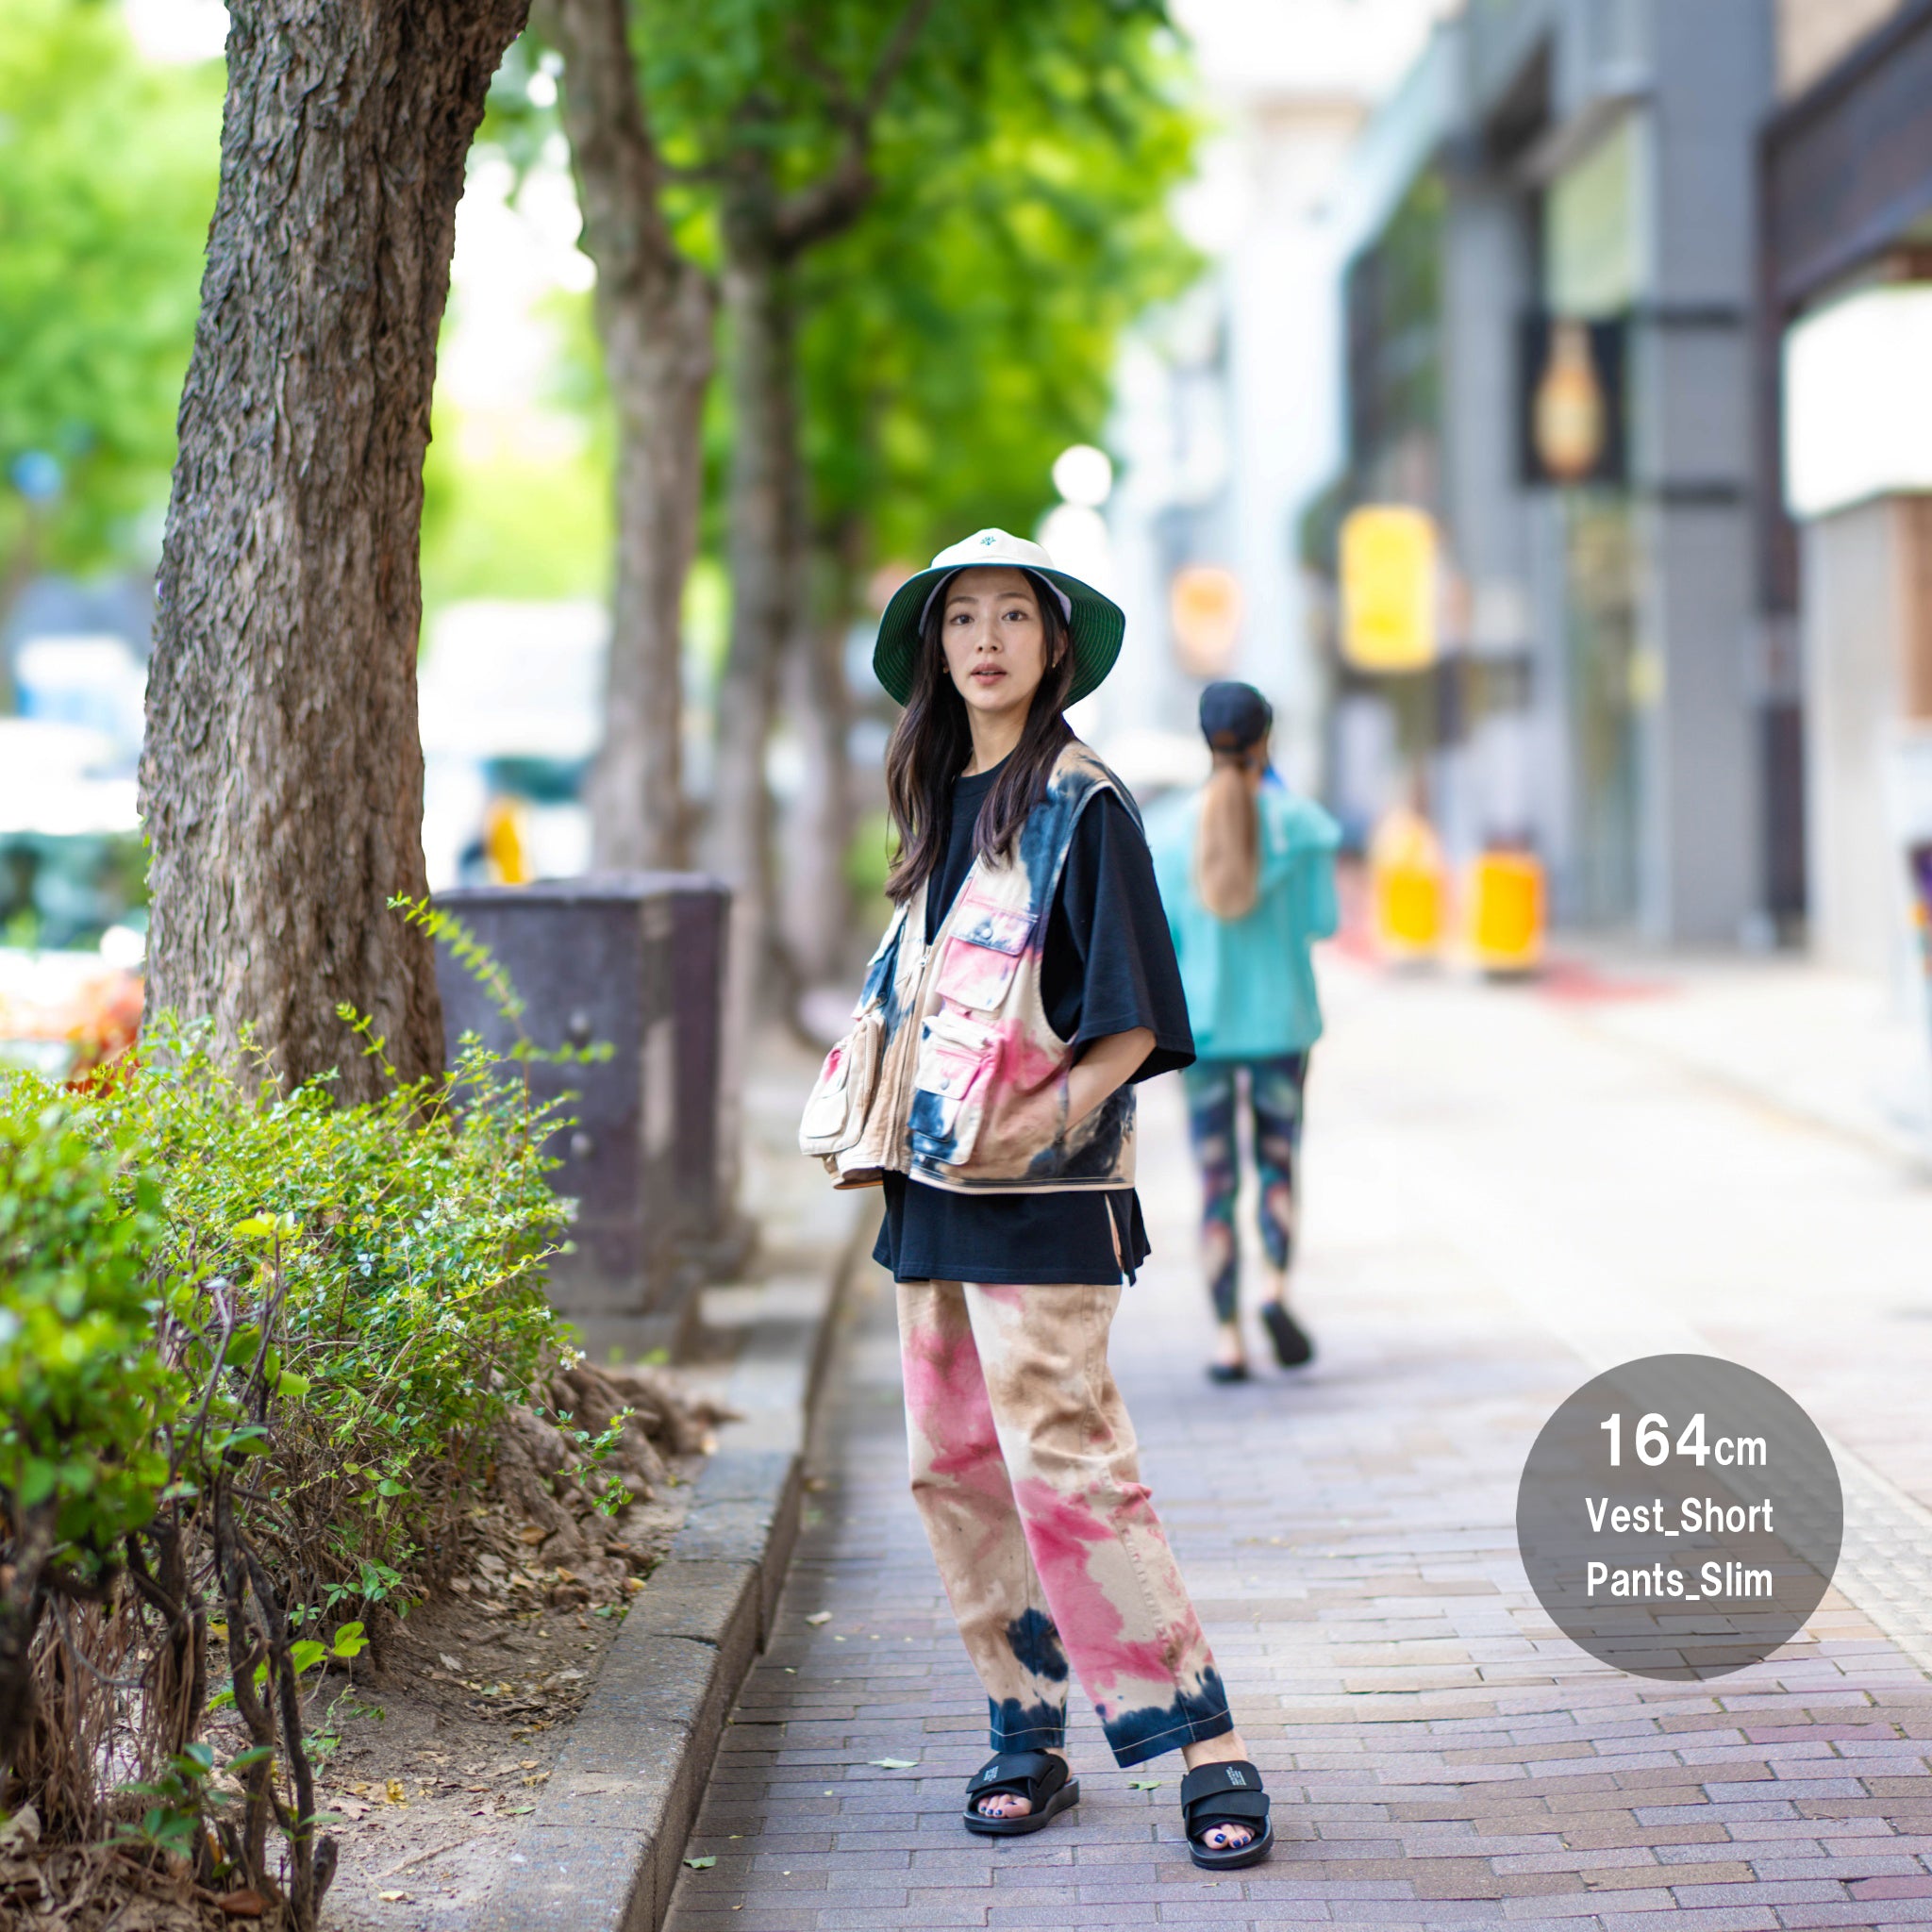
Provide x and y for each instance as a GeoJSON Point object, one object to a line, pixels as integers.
{"type": "Point", "coordinates": [1679, 1517]}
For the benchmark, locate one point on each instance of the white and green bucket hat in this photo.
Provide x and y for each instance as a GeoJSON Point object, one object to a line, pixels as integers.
{"type": "Point", "coordinates": [1094, 624]}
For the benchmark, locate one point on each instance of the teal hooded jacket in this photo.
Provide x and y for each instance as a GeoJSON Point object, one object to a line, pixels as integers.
{"type": "Point", "coordinates": [1250, 983]}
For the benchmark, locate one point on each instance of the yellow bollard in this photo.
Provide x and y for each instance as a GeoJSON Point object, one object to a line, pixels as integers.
{"type": "Point", "coordinates": [1506, 913]}
{"type": "Point", "coordinates": [1405, 885]}
{"type": "Point", "coordinates": [506, 840]}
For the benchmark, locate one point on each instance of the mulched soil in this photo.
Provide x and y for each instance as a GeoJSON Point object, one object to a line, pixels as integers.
{"type": "Point", "coordinates": [435, 1743]}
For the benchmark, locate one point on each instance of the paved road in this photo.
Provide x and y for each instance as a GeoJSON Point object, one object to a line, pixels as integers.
{"type": "Point", "coordinates": [1501, 1196]}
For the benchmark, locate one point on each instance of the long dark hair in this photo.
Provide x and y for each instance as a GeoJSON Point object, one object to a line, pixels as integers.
{"type": "Point", "coordinates": [933, 742]}
{"type": "Point", "coordinates": [1227, 840]}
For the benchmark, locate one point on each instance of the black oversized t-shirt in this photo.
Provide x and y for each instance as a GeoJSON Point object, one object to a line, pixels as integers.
{"type": "Point", "coordinates": [1108, 967]}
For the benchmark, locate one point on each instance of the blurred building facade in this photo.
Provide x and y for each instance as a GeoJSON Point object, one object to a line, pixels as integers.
{"type": "Point", "coordinates": [1633, 300]}
{"type": "Point", "coordinates": [1549, 296]}
{"type": "Point", "coordinates": [1845, 556]}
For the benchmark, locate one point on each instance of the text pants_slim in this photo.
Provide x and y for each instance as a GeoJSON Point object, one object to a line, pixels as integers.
{"type": "Point", "coordinates": [1025, 1472]}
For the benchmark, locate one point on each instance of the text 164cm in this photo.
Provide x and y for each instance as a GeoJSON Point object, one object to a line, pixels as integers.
{"type": "Point", "coordinates": [1652, 1442]}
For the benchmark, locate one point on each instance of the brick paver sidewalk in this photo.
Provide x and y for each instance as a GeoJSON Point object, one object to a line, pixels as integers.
{"type": "Point", "coordinates": [1494, 1191]}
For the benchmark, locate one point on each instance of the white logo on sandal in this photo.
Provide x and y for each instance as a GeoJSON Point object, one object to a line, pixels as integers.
{"type": "Point", "coordinates": [1236, 1778]}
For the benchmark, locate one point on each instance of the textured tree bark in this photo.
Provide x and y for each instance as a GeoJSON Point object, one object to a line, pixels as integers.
{"type": "Point", "coordinates": [282, 778]}
{"type": "Point", "coordinates": [760, 552]}
{"type": "Point", "coordinates": [762, 546]}
{"type": "Point", "coordinates": [655, 315]}
{"type": "Point", "coordinates": [815, 902]}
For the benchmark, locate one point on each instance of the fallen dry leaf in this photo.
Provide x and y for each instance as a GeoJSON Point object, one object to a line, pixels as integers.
{"type": "Point", "coordinates": [394, 1898]}
{"type": "Point", "coordinates": [392, 1792]}
{"type": "Point", "coordinates": [895, 1763]}
{"type": "Point", "coordinates": [448, 1662]}
{"type": "Point", "coordinates": [820, 1617]}
{"type": "Point", "coordinates": [244, 1905]}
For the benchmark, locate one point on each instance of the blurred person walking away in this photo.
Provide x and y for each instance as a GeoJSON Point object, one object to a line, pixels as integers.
{"type": "Point", "coordinates": [1026, 983]}
{"type": "Point", "coordinates": [1247, 874]}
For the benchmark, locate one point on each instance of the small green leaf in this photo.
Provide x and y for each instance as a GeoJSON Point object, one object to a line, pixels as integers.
{"type": "Point", "coordinates": [1143, 1784]}
{"type": "Point", "coordinates": [305, 1654]}
{"type": "Point", "coordinates": [295, 1387]}
{"type": "Point", "coordinates": [895, 1763]}
{"type": "Point", "coordinates": [703, 1864]}
{"type": "Point", "coordinates": [350, 1641]}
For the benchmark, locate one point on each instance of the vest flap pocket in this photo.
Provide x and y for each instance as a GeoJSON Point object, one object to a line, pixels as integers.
{"type": "Point", "coordinates": [956, 1057]}
{"type": "Point", "coordinates": [834, 1113]}
{"type": "Point", "coordinates": [984, 922]}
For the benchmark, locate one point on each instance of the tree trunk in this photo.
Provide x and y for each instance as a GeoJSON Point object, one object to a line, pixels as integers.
{"type": "Point", "coordinates": [815, 903]}
{"type": "Point", "coordinates": [656, 313]}
{"type": "Point", "coordinates": [282, 778]}
{"type": "Point", "coordinates": [761, 518]}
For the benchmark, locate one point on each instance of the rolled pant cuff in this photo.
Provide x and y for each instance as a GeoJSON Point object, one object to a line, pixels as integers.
{"type": "Point", "coordinates": [1194, 1731]}
{"type": "Point", "coordinates": [1036, 1731]}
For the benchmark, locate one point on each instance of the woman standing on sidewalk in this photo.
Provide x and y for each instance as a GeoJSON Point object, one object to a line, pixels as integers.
{"type": "Point", "coordinates": [1025, 982]}
{"type": "Point", "coordinates": [1247, 873]}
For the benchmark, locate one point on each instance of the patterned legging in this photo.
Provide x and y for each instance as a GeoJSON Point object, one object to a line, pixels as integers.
{"type": "Point", "coordinates": [1274, 1096]}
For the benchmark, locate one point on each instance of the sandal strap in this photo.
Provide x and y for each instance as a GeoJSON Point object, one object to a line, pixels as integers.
{"type": "Point", "coordinates": [1232, 1786]}
{"type": "Point", "coordinates": [1227, 1808]}
{"type": "Point", "coordinates": [1019, 1772]}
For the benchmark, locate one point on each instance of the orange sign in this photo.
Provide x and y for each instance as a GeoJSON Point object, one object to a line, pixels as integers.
{"type": "Point", "coordinates": [1206, 604]}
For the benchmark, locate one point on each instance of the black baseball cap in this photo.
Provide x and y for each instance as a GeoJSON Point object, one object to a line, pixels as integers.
{"type": "Point", "coordinates": [1234, 716]}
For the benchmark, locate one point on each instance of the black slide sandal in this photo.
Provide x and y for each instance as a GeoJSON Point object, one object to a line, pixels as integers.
{"type": "Point", "coordinates": [1215, 1794]}
{"type": "Point", "coordinates": [1040, 1777]}
{"type": "Point", "coordinates": [1292, 1344]}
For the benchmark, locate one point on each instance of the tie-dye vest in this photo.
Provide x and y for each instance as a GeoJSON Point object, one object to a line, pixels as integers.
{"type": "Point", "coordinates": [969, 1080]}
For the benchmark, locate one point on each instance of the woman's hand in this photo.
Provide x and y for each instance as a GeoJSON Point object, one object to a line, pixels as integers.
{"type": "Point", "coordinates": [1108, 1063]}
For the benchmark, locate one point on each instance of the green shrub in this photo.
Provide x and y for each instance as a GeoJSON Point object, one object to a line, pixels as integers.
{"type": "Point", "coordinates": [84, 1394]}
{"type": "Point", "coordinates": [254, 1350]}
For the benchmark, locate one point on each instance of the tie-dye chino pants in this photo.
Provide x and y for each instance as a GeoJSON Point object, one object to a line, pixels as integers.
{"type": "Point", "coordinates": [1027, 1473]}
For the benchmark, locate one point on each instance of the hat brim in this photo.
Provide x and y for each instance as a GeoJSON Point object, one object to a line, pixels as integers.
{"type": "Point", "coordinates": [1096, 628]}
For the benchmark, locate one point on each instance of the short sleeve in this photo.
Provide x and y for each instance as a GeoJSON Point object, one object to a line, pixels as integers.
{"type": "Point", "coordinates": [1108, 965]}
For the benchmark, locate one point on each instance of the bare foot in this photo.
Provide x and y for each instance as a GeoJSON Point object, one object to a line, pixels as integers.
{"type": "Point", "coordinates": [1010, 1804]}
{"type": "Point", "coordinates": [1229, 1749]}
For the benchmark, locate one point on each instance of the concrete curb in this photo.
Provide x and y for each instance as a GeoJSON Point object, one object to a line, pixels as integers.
{"type": "Point", "coordinates": [601, 1853]}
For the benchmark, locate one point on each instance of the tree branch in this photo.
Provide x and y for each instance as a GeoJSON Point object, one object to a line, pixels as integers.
{"type": "Point", "coordinates": [619, 168]}
{"type": "Point", "coordinates": [838, 196]}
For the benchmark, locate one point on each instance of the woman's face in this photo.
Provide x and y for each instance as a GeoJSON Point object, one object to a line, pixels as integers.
{"type": "Point", "coordinates": [994, 640]}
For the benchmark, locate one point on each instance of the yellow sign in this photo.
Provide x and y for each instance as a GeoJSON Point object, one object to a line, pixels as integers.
{"type": "Point", "coordinates": [1206, 605]}
{"type": "Point", "coordinates": [1388, 588]}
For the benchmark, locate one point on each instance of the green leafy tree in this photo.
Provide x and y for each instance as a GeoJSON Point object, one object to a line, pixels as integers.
{"type": "Point", "coordinates": [961, 338]}
{"type": "Point", "coordinates": [107, 170]}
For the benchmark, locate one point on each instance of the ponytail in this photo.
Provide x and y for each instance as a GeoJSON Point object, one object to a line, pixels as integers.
{"type": "Point", "coordinates": [1227, 842]}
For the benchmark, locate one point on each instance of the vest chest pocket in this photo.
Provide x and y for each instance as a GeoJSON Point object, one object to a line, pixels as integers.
{"type": "Point", "coordinates": [983, 953]}
{"type": "Point", "coordinates": [950, 1082]}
